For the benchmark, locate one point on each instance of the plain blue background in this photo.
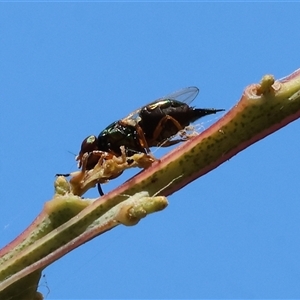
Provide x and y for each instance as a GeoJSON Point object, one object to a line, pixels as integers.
{"type": "Point", "coordinates": [68, 70]}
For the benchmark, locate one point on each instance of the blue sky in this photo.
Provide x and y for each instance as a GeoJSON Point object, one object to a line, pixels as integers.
{"type": "Point", "coordinates": [67, 70]}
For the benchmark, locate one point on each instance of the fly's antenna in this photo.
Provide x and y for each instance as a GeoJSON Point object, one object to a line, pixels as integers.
{"type": "Point", "coordinates": [72, 153]}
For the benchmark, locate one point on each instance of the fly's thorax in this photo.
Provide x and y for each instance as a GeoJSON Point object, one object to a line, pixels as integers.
{"type": "Point", "coordinates": [119, 134]}
{"type": "Point", "coordinates": [110, 128]}
{"type": "Point", "coordinates": [107, 137]}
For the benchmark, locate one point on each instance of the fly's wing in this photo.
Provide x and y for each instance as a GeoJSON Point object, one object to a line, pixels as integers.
{"type": "Point", "coordinates": [133, 118]}
{"type": "Point", "coordinates": [186, 95]}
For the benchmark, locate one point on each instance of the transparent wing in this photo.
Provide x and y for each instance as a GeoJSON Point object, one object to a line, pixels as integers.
{"type": "Point", "coordinates": [186, 95]}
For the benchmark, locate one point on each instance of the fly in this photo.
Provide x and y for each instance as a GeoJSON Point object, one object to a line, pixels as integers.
{"type": "Point", "coordinates": [152, 125]}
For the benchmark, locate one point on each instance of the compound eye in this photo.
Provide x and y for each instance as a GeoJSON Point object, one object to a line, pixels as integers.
{"type": "Point", "coordinates": [89, 144]}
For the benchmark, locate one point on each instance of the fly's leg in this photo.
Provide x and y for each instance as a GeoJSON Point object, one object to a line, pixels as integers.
{"type": "Point", "coordinates": [142, 138]}
{"type": "Point", "coordinates": [100, 191]}
{"type": "Point", "coordinates": [140, 133]}
{"type": "Point", "coordinates": [159, 128]}
{"type": "Point", "coordinates": [79, 177]}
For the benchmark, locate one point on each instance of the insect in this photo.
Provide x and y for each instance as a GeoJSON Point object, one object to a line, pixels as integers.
{"type": "Point", "coordinates": [152, 125]}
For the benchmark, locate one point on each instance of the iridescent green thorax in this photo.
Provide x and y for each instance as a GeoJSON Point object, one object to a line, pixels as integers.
{"type": "Point", "coordinates": [116, 135]}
